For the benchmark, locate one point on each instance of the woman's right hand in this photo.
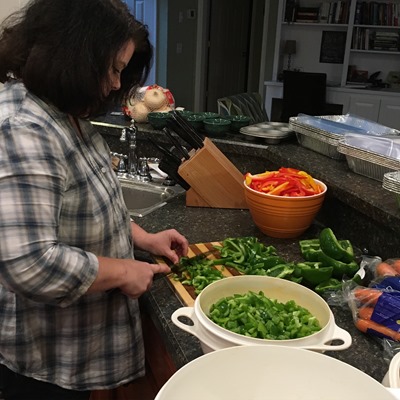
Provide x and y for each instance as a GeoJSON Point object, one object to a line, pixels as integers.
{"type": "Point", "coordinates": [139, 277]}
{"type": "Point", "coordinates": [132, 277]}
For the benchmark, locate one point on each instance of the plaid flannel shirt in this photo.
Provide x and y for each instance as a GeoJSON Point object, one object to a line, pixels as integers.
{"type": "Point", "coordinates": [61, 206]}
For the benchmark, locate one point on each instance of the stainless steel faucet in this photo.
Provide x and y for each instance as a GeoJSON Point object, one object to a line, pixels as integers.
{"type": "Point", "coordinates": [129, 134]}
{"type": "Point", "coordinates": [137, 168]}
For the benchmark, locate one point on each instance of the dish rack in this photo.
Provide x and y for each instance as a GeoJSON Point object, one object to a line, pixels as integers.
{"type": "Point", "coordinates": [391, 182]}
{"type": "Point", "coordinates": [367, 163]}
{"type": "Point", "coordinates": [318, 140]}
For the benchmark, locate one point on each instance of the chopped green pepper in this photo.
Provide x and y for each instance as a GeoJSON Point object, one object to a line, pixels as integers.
{"type": "Point", "coordinates": [255, 315]}
{"type": "Point", "coordinates": [331, 284]}
{"type": "Point", "coordinates": [314, 273]}
{"type": "Point", "coordinates": [340, 269]}
{"type": "Point", "coordinates": [280, 270]}
{"type": "Point", "coordinates": [309, 249]}
{"type": "Point", "coordinates": [338, 250]}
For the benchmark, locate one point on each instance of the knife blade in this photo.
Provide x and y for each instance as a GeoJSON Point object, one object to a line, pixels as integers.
{"type": "Point", "coordinates": [171, 169]}
{"type": "Point", "coordinates": [171, 156]}
{"type": "Point", "coordinates": [184, 261]}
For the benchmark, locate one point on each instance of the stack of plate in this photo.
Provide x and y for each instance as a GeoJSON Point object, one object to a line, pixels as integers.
{"type": "Point", "coordinates": [391, 182]}
{"type": "Point", "coordinates": [271, 132]}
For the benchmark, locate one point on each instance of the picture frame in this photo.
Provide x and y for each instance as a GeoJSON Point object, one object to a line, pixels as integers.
{"type": "Point", "coordinates": [332, 47]}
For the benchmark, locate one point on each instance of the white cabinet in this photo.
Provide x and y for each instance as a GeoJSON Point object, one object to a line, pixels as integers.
{"type": "Point", "coordinates": [364, 106]}
{"type": "Point", "coordinates": [381, 108]}
{"type": "Point", "coordinates": [389, 113]}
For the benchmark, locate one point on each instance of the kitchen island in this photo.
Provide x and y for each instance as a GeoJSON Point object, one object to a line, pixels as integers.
{"type": "Point", "coordinates": [356, 208]}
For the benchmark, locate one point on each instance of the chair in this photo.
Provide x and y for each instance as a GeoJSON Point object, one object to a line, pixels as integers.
{"type": "Point", "coordinates": [303, 92]}
{"type": "Point", "coordinates": [249, 104]}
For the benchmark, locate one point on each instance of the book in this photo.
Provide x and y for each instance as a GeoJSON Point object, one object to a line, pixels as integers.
{"type": "Point", "coordinates": [324, 12]}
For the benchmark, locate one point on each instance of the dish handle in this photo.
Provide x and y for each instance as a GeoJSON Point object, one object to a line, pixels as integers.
{"type": "Point", "coordinates": [187, 312]}
{"type": "Point", "coordinates": [337, 334]}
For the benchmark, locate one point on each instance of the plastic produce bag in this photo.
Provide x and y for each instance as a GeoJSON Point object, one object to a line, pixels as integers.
{"type": "Point", "coordinates": [376, 307]}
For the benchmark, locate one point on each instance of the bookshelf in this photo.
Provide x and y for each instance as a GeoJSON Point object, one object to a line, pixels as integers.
{"type": "Point", "coordinates": [366, 35]}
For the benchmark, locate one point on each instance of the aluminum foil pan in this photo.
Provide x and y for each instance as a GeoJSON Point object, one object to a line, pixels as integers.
{"type": "Point", "coordinates": [391, 182]}
{"type": "Point", "coordinates": [322, 134]}
{"type": "Point", "coordinates": [367, 163]}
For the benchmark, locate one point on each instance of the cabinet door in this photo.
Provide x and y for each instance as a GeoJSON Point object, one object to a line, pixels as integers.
{"type": "Point", "coordinates": [389, 113]}
{"type": "Point", "coordinates": [364, 106]}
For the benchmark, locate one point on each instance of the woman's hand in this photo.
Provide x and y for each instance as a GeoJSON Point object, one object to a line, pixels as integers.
{"type": "Point", "coordinates": [132, 277]}
{"type": "Point", "coordinates": [169, 243]}
{"type": "Point", "coordinates": [139, 277]}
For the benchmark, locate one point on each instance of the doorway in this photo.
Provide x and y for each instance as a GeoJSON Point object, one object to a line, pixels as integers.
{"type": "Point", "coordinates": [228, 49]}
{"type": "Point", "coordinates": [145, 11]}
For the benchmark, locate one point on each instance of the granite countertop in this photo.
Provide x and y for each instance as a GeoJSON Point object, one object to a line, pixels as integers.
{"type": "Point", "coordinates": [356, 208]}
{"type": "Point", "coordinates": [203, 225]}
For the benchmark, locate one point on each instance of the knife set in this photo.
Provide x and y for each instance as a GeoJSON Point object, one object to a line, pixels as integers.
{"type": "Point", "coordinates": [209, 178]}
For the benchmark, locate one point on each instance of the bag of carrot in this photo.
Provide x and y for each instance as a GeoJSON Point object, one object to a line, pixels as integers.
{"type": "Point", "coordinates": [376, 308]}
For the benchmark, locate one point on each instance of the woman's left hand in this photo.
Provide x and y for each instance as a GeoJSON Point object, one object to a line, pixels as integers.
{"type": "Point", "coordinates": [169, 243]}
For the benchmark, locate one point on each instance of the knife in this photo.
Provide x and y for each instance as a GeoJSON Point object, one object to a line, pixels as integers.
{"type": "Point", "coordinates": [191, 140]}
{"type": "Point", "coordinates": [182, 122]}
{"type": "Point", "coordinates": [176, 143]}
{"type": "Point", "coordinates": [172, 170]}
{"type": "Point", "coordinates": [185, 261]}
{"type": "Point", "coordinates": [167, 153]}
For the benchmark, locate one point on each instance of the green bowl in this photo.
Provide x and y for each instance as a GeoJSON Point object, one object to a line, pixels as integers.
{"type": "Point", "coordinates": [185, 113]}
{"type": "Point", "coordinates": [216, 126]}
{"type": "Point", "coordinates": [196, 120]}
{"type": "Point", "coordinates": [158, 120]}
{"type": "Point", "coordinates": [238, 121]}
{"type": "Point", "coordinates": [209, 114]}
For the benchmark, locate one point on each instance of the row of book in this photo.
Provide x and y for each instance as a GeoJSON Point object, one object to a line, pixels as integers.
{"type": "Point", "coordinates": [377, 13]}
{"type": "Point", "coordinates": [337, 12]}
{"type": "Point", "coordinates": [329, 12]}
{"type": "Point", "coordinates": [368, 39]}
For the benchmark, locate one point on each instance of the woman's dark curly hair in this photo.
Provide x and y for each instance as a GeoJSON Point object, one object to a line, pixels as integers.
{"type": "Point", "coordinates": [62, 51]}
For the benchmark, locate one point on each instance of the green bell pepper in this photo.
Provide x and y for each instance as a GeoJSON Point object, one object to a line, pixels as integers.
{"type": "Point", "coordinates": [340, 269]}
{"type": "Point", "coordinates": [314, 273]}
{"type": "Point", "coordinates": [331, 284]}
{"type": "Point", "coordinates": [309, 249]}
{"type": "Point", "coordinates": [338, 250]}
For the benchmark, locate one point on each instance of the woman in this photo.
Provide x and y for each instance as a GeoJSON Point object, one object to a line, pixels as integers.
{"type": "Point", "coordinates": [69, 316]}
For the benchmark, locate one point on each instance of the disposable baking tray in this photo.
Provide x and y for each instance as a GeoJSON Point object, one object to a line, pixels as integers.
{"type": "Point", "coordinates": [322, 134]}
{"type": "Point", "coordinates": [391, 182]}
{"type": "Point", "coordinates": [367, 163]}
{"type": "Point", "coordinates": [318, 140]}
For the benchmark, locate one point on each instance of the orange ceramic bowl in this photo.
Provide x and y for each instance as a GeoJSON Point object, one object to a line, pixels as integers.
{"type": "Point", "coordinates": [281, 216]}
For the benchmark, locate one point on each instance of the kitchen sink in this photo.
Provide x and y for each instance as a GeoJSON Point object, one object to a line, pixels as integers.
{"type": "Point", "coordinates": [141, 198]}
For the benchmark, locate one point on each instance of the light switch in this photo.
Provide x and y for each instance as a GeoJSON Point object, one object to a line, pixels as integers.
{"type": "Point", "coordinates": [179, 48]}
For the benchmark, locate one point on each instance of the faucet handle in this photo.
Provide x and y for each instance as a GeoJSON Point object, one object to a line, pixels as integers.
{"type": "Point", "coordinates": [122, 167]}
{"type": "Point", "coordinates": [144, 170]}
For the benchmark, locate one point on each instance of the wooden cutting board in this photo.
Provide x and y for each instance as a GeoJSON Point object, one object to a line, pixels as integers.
{"type": "Point", "coordinates": [185, 292]}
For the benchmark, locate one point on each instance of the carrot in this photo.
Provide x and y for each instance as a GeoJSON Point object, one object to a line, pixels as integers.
{"type": "Point", "coordinates": [365, 312]}
{"type": "Point", "coordinates": [367, 295]}
{"type": "Point", "coordinates": [396, 265]}
{"type": "Point", "coordinates": [384, 269]}
{"type": "Point", "coordinates": [365, 325]}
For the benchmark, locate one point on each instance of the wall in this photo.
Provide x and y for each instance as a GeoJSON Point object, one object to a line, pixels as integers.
{"type": "Point", "coordinates": [181, 47]}
{"type": "Point", "coordinates": [8, 6]}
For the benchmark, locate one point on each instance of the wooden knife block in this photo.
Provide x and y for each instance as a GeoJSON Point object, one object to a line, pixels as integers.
{"type": "Point", "coordinates": [214, 181]}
